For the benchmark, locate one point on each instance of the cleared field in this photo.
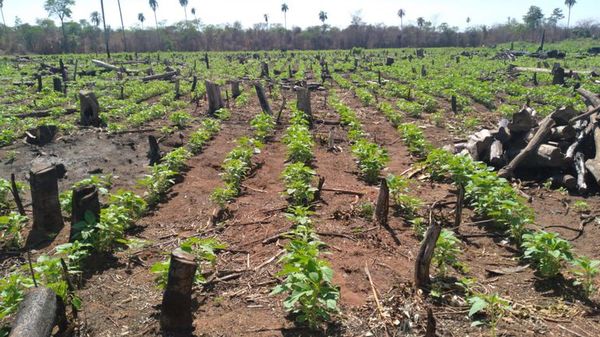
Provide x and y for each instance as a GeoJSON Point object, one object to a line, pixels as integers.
{"type": "Point", "coordinates": [276, 209]}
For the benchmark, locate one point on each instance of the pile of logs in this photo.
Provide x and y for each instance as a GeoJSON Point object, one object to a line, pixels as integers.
{"type": "Point", "coordinates": [563, 146]}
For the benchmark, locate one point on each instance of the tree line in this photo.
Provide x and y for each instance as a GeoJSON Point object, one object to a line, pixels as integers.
{"type": "Point", "coordinates": [94, 36]}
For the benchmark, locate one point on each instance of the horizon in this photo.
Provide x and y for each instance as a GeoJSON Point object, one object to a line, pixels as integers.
{"type": "Point", "coordinates": [302, 14]}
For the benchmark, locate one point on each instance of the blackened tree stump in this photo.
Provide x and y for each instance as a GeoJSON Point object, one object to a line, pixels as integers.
{"type": "Point", "coordinates": [153, 151]}
{"type": "Point", "coordinates": [303, 103]}
{"type": "Point", "coordinates": [57, 84]}
{"type": "Point", "coordinates": [262, 98]}
{"type": "Point", "coordinates": [37, 315]}
{"type": "Point", "coordinates": [215, 100]}
{"type": "Point", "coordinates": [235, 89]}
{"type": "Point", "coordinates": [89, 109]}
{"type": "Point", "coordinates": [84, 201]}
{"type": "Point", "coordinates": [423, 261]}
{"type": "Point", "coordinates": [383, 204]}
{"type": "Point", "coordinates": [176, 310]}
{"type": "Point", "coordinates": [47, 216]}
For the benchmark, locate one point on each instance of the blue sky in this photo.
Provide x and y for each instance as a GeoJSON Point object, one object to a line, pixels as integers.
{"type": "Point", "coordinates": [305, 12]}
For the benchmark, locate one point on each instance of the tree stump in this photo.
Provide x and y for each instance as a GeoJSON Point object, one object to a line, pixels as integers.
{"type": "Point", "coordinates": [89, 109]}
{"type": "Point", "coordinates": [38, 77]}
{"type": "Point", "coordinates": [84, 200]}
{"type": "Point", "coordinates": [41, 135]}
{"type": "Point", "coordinates": [235, 89]}
{"type": "Point", "coordinates": [303, 103]}
{"type": "Point", "coordinates": [194, 83]}
{"type": "Point", "coordinates": [177, 86]}
{"type": "Point", "coordinates": [38, 314]}
{"type": "Point", "coordinates": [153, 151]}
{"type": "Point", "coordinates": [57, 84]}
{"type": "Point", "coordinates": [264, 70]}
{"type": "Point", "coordinates": [215, 100]}
{"type": "Point", "coordinates": [262, 98]}
{"type": "Point", "coordinates": [47, 216]}
{"type": "Point", "coordinates": [206, 61]}
{"type": "Point", "coordinates": [389, 61]}
{"type": "Point", "coordinates": [558, 75]}
{"type": "Point", "coordinates": [383, 204]}
{"type": "Point", "coordinates": [453, 104]}
{"type": "Point", "coordinates": [423, 261]}
{"type": "Point", "coordinates": [176, 310]}
{"type": "Point", "coordinates": [423, 71]}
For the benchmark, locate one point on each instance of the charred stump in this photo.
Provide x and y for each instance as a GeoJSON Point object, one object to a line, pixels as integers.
{"type": "Point", "coordinates": [235, 89]}
{"type": "Point", "coordinates": [383, 204]}
{"type": "Point", "coordinates": [303, 103]}
{"type": "Point", "coordinates": [423, 261]}
{"type": "Point", "coordinates": [262, 98]}
{"type": "Point", "coordinates": [57, 84]}
{"type": "Point", "coordinates": [176, 310]}
{"type": "Point", "coordinates": [215, 100]}
{"type": "Point", "coordinates": [89, 109]}
{"type": "Point", "coordinates": [85, 204]}
{"type": "Point", "coordinates": [47, 216]}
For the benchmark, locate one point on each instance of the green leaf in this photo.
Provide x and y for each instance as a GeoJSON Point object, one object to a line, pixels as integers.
{"type": "Point", "coordinates": [477, 304]}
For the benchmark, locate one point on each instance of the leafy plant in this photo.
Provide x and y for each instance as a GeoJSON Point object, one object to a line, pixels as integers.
{"type": "Point", "coordinates": [297, 178]}
{"type": "Point", "coordinates": [180, 119]}
{"type": "Point", "coordinates": [586, 270]}
{"type": "Point", "coordinates": [446, 251]}
{"type": "Point", "coordinates": [547, 251]}
{"type": "Point", "coordinates": [492, 305]}
{"type": "Point", "coordinates": [371, 159]}
{"type": "Point", "coordinates": [10, 229]}
{"type": "Point", "coordinates": [263, 125]}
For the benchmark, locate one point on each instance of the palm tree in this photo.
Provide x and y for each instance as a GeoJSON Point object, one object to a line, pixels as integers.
{"type": "Point", "coordinates": [122, 25]}
{"type": "Point", "coordinates": [569, 3]}
{"type": "Point", "coordinates": [323, 17]}
{"type": "Point", "coordinates": [266, 16]}
{"type": "Point", "coordinates": [2, 11]}
{"type": "Point", "coordinates": [141, 19]}
{"type": "Point", "coordinates": [105, 31]}
{"type": "Point", "coordinates": [468, 20]}
{"type": "Point", "coordinates": [401, 14]}
{"type": "Point", "coordinates": [195, 18]}
{"type": "Point", "coordinates": [95, 18]}
{"type": "Point", "coordinates": [420, 22]}
{"type": "Point", "coordinates": [154, 6]}
{"type": "Point", "coordinates": [184, 4]}
{"type": "Point", "coordinates": [284, 9]}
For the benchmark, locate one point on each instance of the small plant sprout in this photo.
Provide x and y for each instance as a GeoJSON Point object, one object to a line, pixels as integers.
{"type": "Point", "coordinates": [493, 306]}
{"type": "Point", "coordinates": [586, 270]}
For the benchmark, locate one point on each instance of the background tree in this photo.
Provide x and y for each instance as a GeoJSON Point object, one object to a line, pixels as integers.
{"type": "Point", "coordinates": [323, 17]}
{"type": "Point", "coordinates": [62, 10]}
{"type": "Point", "coordinates": [141, 19]}
{"type": "Point", "coordinates": [266, 16]}
{"type": "Point", "coordinates": [184, 4]}
{"type": "Point", "coordinates": [284, 9]}
{"type": "Point", "coordinates": [154, 5]}
{"type": "Point", "coordinates": [534, 17]}
{"type": "Point", "coordinates": [105, 31]}
{"type": "Point", "coordinates": [468, 20]}
{"type": "Point", "coordinates": [122, 25]}
{"type": "Point", "coordinates": [2, 12]}
{"type": "Point", "coordinates": [420, 22]}
{"type": "Point", "coordinates": [95, 18]}
{"type": "Point", "coordinates": [401, 14]}
{"type": "Point", "coordinates": [557, 15]}
{"type": "Point", "coordinates": [570, 4]}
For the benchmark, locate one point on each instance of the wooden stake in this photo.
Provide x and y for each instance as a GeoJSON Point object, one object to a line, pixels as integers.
{"type": "Point", "coordinates": [15, 192]}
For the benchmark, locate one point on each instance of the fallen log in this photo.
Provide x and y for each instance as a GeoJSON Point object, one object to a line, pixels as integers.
{"type": "Point", "coordinates": [496, 157]}
{"type": "Point", "coordinates": [512, 68]}
{"type": "Point", "coordinates": [163, 76]}
{"type": "Point", "coordinates": [590, 97]}
{"type": "Point", "coordinates": [540, 136]}
{"type": "Point", "coordinates": [579, 161]}
{"type": "Point", "coordinates": [110, 66]}
{"type": "Point", "coordinates": [593, 165]}
{"type": "Point", "coordinates": [38, 314]}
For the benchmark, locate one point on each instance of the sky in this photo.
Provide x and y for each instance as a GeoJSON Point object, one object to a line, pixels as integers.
{"type": "Point", "coordinates": [304, 13]}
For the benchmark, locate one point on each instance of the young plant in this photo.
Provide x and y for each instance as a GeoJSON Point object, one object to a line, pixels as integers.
{"type": "Point", "coordinates": [297, 178]}
{"type": "Point", "coordinates": [492, 305]}
{"type": "Point", "coordinates": [10, 230]}
{"type": "Point", "coordinates": [446, 251]}
{"type": "Point", "coordinates": [263, 125]}
{"type": "Point", "coordinates": [180, 119]}
{"type": "Point", "coordinates": [586, 270]}
{"type": "Point", "coordinates": [547, 251]}
{"type": "Point", "coordinates": [371, 159]}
